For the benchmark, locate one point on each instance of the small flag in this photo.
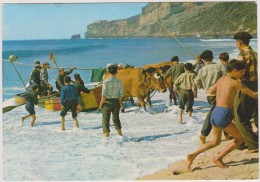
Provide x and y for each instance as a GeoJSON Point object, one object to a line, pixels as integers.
{"type": "Point", "coordinates": [53, 59]}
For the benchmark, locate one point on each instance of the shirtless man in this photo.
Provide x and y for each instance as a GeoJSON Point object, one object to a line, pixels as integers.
{"type": "Point", "coordinates": [221, 117]}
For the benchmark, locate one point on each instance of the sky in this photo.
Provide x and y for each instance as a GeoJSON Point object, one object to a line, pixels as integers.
{"type": "Point", "coordinates": [59, 21]}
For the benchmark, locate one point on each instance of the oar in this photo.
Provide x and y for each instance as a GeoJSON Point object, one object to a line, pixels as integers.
{"type": "Point", "coordinates": [9, 108]}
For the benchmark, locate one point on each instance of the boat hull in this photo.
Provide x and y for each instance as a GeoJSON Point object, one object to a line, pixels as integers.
{"type": "Point", "coordinates": [88, 101]}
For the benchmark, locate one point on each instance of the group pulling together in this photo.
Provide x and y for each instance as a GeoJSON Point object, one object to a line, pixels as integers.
{"type": "Point", "coordinates": [231, 90]}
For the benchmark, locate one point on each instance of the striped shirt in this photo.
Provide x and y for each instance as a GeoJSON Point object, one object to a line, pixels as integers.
{"type": "Point", "coordinates": [249, 56]}
{"type": "Point", "coordinates": [44, 75]}
{"type": "Point", "coordinates": [112, 88]}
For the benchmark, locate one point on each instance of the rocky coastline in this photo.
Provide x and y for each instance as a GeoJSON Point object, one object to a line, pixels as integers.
{"type": "Point", "coordinates": [181, 19]}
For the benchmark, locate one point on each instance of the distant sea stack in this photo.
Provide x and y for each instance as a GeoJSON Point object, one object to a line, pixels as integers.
{"type": "Point", "coordinates": [183, 19]}
{"type": "Point", "coordinates": [76, 36]}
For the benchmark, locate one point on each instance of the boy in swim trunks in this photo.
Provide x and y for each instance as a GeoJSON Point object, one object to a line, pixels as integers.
{"type": "Point", "coordinates": [221, 117]}
{"type": "Point", "coordinates": [32, 100]}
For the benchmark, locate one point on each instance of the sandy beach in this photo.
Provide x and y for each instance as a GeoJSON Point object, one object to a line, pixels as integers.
{"type": "Point", "coordinates": [242, 166]}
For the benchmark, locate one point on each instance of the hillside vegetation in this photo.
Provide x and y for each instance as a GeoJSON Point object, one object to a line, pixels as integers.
{"type": "Point", "coordinates": [185, 19]}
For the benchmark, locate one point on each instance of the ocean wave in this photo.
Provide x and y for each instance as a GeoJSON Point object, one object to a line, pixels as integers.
{"type": "Point", "coordinates": [9, 102]}
{"type": "Point", "coordinates": [8, 89]}
{"type": "Point", "coordinates": [221, 40]}
{"type": "Point", "coordinates": [216, 40]}
{"type": "Point", "coordinates": [56, 51]}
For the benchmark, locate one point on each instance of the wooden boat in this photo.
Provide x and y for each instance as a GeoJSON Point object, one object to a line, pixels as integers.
{"type": "Point", "coordinates": [88, 102]}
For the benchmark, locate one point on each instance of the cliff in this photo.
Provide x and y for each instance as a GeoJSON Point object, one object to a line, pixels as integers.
{"type": "Point", "coordinates": [184, 19]}
{"type": "Point", "coordinates": [76, 36]}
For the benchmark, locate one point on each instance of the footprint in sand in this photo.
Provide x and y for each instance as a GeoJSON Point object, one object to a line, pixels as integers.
{"type": "Point", "coordinates": [177, 172]}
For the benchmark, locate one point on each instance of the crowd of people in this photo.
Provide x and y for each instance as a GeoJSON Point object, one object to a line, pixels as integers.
{"type": "Point", "coordinates": [231, 91]}
{"type": "Point", "coordinates": [39, 87]}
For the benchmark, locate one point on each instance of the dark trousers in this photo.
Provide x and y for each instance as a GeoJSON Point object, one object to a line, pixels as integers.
{"type": "Point", "coordinates": [246, 108]}
{"type": "Point", "coordinates": [45, 88]}
{"type": "Point", "coordinates": [69, 105]}
{"type": "Point", "coordinates": [110, 106]}
{"type": "Point", "coordinates": [207, 126]}
{"type": "Point", "coordinates": [186, 98]}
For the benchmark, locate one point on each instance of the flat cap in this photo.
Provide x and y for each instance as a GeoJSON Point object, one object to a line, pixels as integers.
{"type": "Point", "coordinates": [45, 63]}
{"type": "Point", "coordinates": [243, 36]}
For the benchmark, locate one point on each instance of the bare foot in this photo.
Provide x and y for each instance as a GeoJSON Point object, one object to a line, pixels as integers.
{"type": "Point", "coordinates": [189, 161]}
{"type": "Point", "coordinates": [180, 120]}
{"type": "Point", "coordinates": [220, 163]}
{"type": "Point", "coordinates": [21, 120]}
{"type": "Point", "coordinates": [202, 139]}
{"type": "Point", "coordinates": [251, 151]}
{"type": "Point", "coordinates": [32, 123]}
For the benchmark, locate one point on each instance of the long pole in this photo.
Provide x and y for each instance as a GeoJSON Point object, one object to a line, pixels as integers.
{"type": "Point", "coordinates": [51, 67]}
{"type": "Point", "coordinates": [12, 59]}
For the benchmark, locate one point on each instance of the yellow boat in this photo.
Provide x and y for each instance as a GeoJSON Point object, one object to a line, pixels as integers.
{"type": "Point", "coordinates": [88, 101]}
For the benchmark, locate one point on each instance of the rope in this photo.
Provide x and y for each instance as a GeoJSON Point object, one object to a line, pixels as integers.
{"type": "Point", "coordinates": [24, 64]}
{"type": "Point", "coordinates": [154, 91]}
{"type": "Point", "coordinates": [187, 50]}
{"type": "Point", "coordinates": [152, 95]}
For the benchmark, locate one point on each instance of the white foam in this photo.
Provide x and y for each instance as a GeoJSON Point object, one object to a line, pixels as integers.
{"type": "Point", "coordinates": [150, 143]}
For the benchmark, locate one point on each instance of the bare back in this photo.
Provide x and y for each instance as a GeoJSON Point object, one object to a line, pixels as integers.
{"type": "Point", "coordinates": [226, 91]}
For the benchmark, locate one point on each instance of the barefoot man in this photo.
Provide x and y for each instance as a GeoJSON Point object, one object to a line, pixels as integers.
{"type": "Point", "coordinates": [32, 100]}
{"type": "Point", "coordinates": [222, 115]}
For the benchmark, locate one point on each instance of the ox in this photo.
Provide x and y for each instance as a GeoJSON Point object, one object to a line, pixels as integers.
{"type": "Point", "coordinates": [137, 82]}
{"type": "Point", "coordinates": [162, 68]}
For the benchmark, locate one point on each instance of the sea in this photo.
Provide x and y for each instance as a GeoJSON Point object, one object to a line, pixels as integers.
{"type": "Point", "coordinates": [97, 53]}
{"type": "Point", "coordinates": [151, 140]}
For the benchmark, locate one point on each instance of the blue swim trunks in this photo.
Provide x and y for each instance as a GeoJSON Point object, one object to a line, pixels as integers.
{"type": "Point", "coordinates": [30, 108]}
{"type": "Point", "coordinates": [221, 117]}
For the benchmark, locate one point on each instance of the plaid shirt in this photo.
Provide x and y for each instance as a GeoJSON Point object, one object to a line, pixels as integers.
{"type": "Point", "coordinates": [112, 88]}
{"type": "Point", "coordinates": [249, 56]}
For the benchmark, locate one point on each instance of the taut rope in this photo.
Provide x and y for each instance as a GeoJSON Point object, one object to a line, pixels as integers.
{"type": "Point", "coordinates": [24, 64]}
{"type": "Point", "coordinates": [187, 50]}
